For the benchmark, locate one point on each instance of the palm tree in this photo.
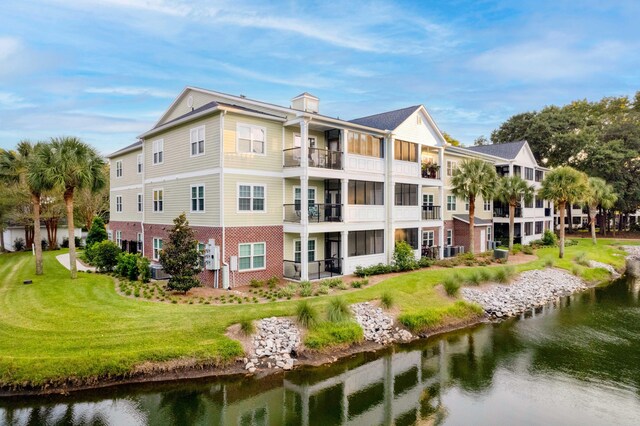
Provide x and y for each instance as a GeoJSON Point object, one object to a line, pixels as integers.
{"type": "Point", "coordinates": [564, 185]}
{"type": "Point", "coordinates": [512, 189]}
{"type": "Point", "coordinates": [69, 164]}
{"type": "Point", "coordinates": [473, 178]}
{"type": "Point", "coordinates": [599, 193]}
{"type": "Point", "coordinates": [19, 167]}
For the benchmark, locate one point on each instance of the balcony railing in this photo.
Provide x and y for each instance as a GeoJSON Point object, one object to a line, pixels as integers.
{"type": "Point", "coordinates": [431, 252]}
{"type": "Point", "coordinates": [430, 212]}
{"type": "Point", "coordinates": [504, 211]}
{"type": "Point", "coordinates": [317, 213]}
{"type": "Point", "coordinates": [318, 269]}
{"type": "Point", "coordinates": [430, 171]}
{"type": "Point", "coordinates": [317, 157]}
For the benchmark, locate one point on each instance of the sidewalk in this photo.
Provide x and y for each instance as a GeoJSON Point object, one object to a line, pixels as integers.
{"type": "Point", "coordinates": [66, 262]}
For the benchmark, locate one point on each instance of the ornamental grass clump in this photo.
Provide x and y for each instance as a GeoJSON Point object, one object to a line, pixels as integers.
{"type": "Point", "coordinates": [451, 285]}
{"type": "Point", "coordinates": [306, 288]}
{"type": "Point", "coordinates": [386, 300]}
{"type": "Point", "coordinates": [246, 327]}
{"type": "Point", "coordinates": [338, 310]}
{"type": "Point", "coordinates": [306, 314]}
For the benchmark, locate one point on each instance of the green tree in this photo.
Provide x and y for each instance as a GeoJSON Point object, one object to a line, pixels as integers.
{"type": "Point", "coordinates": [512, 189]}
{"type": "Point", "coordinates": [19, 167]}
{"type": "Point", "coordinates": [564, 186]}
{"type": "Point", "coordinates": [472, 179]}
{"type": "Point", "coordinates": [481, 140]}
{"type": "Point", "coordinates": [89, 203]}
{"type": "Point", "coordinates": [97, 233]}
{"type": "Point", "coordinates": [6, 205]}
{"type": "Point", "coordinates": [69, 164]}
{"type": "Point", "coordinates": [180, 257]}
{"type": "Point", "coordinates": [52, 210]}
{"type": "Point", "coordinates": [599, 193]}
{"type": "Point", "coordinates": [450, 139]}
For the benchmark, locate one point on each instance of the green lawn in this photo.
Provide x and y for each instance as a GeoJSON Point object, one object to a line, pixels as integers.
{"type": "Point", "coordinates": [56, 328]}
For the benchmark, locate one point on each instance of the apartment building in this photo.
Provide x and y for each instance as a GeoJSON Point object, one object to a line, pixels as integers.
{"type": "Point", "coordinates": [532, 218]}
{"type": "Point", "coordinates": [282, 191]}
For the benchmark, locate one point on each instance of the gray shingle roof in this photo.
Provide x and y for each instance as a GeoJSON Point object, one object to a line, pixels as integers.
{"type": "Point", "coordinates": [476, 220]}
{"type": "Point", "coordinates": [212, 105]}
{"type": "Point", "coordinates": [126, 149]}
{"type": "Point", "coordinates": [386, 120]}
{"type": "Point", "coordinates": [508, 151]}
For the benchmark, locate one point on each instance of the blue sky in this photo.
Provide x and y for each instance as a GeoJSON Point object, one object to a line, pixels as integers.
{"type": "Point", "coordinates": [105, 70]}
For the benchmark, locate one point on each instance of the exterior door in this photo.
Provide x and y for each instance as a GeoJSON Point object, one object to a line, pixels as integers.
{"type": "Point", "coordinates": [483, 240]}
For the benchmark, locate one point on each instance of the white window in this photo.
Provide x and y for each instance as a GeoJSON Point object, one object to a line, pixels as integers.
{"type": "Point", "coordinates": [197, 141]}
{"type": "Point", "coordinates": [427, 238]}
{"type": "Point", "coordinates": [487, 205]}
{"type": "Point", "coordinates": [489, 233]}
{"type": "Point", "coordinates": [251, 139]}
{"type": "Point", "coordinates": [110, 235]}
{"type": "Point", "coordinates": [311, 197]}
{"type": "Point", "coordinates": [140, 243]}
{"type": "Point", "coordinates": [139, 163]}
{"type": "Point", "coordinates": [158, 151]}
{"type": "Point", "coordinates": [119, 238]}
{"type": "Point", "coordinates": [140, 203]}
{"type": "Point", "coordinates": [251, 256]}
{"type": "Point", "coordinates": [449, 237]}
{"type": "Point", "coordinates": [451, 167]}
{"type": "Point", "coordinates": [119, 203]}
{"type": "Point", "coordinates": [466, 204]}
{"type": "Point", "coordinates": [197, 198]}
{"type": "Point", "coordinates": [158, 200]}
{"type": "Point", "coordinates": [119, 168]}
{"type": "Point", "coordinates": [451, 203]}
{"type": "Point", "coordinates": [297, 139]}
{"type": "Point", "coordinates": [418, 119]}
{"type": "Point", "coordinates": [427, 199]}
{"type": "Point", "coordinates": [157, 248]}
{"type": "Point", "coordinates": [251, 198]}
{"type": "Point", "coordinates": [297, 251]}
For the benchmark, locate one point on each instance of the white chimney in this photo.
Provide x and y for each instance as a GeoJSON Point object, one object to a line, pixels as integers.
{"type": "Point", "coordinates": [306, 102]}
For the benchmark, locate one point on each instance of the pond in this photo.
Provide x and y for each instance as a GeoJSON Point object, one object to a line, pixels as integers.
{"type": "Point", "coordinates": [573, 362]}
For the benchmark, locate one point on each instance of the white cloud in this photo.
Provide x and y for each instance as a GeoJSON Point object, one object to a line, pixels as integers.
{"type": "Point", "coordinates": [300, 80]}
{"type": "Point", "coordinates": [9, 46]}
{"type": "Point", "coordinates": [172, 8]}
{"type": "Point", "coordinates": [131, 91]}
{"type": "Point", "coordinates": [13, 101]}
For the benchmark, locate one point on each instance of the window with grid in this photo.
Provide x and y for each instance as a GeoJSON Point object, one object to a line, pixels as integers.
{"type": "Point", "coordinates": [528, 173]}
{"type": "Point", "coordinates": [311, 251]}
{"type": "Point", "coordinates": [487, 205]}
{"type": "Point", "coordinates": [449, 237]}
{"type": "Point", "coordinates": [119, 203]}
{"type": "Point", "coordinates": [451, 167]}
{"type": "Point", "coordinates": [158, 151]}
{"type": "Point", "coordinates": [157, 248]}
{"type": "Point", "coordinates": [406, 194]}
{"type": "Point", "coordinates": [119, 168]}
{"type": "Point", "coordinates": [140, 243]}
{"type": "Point", "coordinates": [528, 228]}
{"type": "Point", "coordinates": [197, 198]}
{"type": "Point", "coordinates": [427, 238]}
{"type": "Point", "coordinates": [539, 226]}
{"type": "Point", "coordinates": [251, 198]}
{"type": "Point", "coordinates": [158, 202]}
{"type": "Point", "coordinates": [139, 163]}
{"type": "Point", "coordinates": [451, 203]}
{"type": "Point", "coordinates": [140, 202]}
{"type": "Point", "coordinates": [251, 256]}
{"type": "Point", "coordinates": [251, 139]}
{"type": "Point", "coordinates": [119, 238]}
{"type": "Point", "coordinates": [196, 137]}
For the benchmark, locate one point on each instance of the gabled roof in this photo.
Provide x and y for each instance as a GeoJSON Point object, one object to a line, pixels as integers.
{"type": "Point", "coordinates": [212, 105]}
{"type": "Point", "coordinates": [133, 147]}
{"type": "Point", "coordinates": [476, 220]}
{"type": "Point", "coordinates": [508, 151]}
{"type": "Point", "coordinates": [386, 120]}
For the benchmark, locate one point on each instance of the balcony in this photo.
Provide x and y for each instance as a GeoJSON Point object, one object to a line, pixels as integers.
{"type": "Point", "coordinates": [318, 157]}
{"type": "Point", "coordinates": [431, 252]}
{"type": "Point", "coordinates": [430, 171]}
{"type": "Point", "coordinates": [503, 211]}
{"type": "Point", "coordinates": [318, 269]}
{"type": "Point", "coordinates": [317, 213]}
{"type": "Point", "coordinates": [430, 212]}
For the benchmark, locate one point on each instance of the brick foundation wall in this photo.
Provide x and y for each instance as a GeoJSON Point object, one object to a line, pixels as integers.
{"type": "Point", "coordinates": [461, 236]}
{"type": "Point", "coordinates": [129, 230]}
{"type": "Point", "coordinates": [272, 235]}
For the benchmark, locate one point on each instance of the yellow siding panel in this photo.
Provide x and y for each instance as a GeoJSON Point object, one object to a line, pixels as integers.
{"type": "Point", "coordinates": [129, 206]}
{"type": "Point", "coordinates": [181, 107]}
{"type": "Point", "coordinates": [271, 161]}
{"type": "Point", "coordinates": [130, 174]}
{"type": "Point", "coordinates": [273, 214]}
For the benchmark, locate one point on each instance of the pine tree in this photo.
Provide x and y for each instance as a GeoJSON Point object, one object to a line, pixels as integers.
{"type": "Point", "coordinates": [97, 233]}
{"type": "Point", "coordinates": [180, 257]}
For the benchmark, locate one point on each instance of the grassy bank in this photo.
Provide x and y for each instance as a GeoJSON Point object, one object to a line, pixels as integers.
{"type": "Point", "coordinates": [55, 328]}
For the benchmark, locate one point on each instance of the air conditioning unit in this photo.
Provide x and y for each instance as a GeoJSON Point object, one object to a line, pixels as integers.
{"type": "Point", "coordinates": [157, 273]}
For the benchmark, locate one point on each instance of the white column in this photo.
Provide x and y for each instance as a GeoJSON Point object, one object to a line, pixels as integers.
{"type": "Point", "coordinates": [304, 143]}
{"type": "Point", "coordinates": [304, 200]}
{"type": "Point", "coordinates": [343, 147]}
{"type": "Point", "coordinates": [344, 250]}
{"type": "Point", "coordinates": [441, 201]}
{"type": "Point", "coordinates": [344, 198]}
{"type": "Point", "coordinates": [304, 255]}
{"type": "Point", "coordinates": [389, 197]}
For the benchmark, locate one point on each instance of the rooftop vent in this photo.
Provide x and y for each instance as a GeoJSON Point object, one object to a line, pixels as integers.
{"type": "Point", "coordinates": [306, 102]}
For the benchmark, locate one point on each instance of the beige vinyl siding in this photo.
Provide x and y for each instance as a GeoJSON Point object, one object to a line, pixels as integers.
{"type": "Point", "coordinates": [291, 131]}
{"type": "Point", "coordinates": [177, 199]}
{"type": "Point", "coordinates": [271, 161]}
{"type": "Point", "coordinates": [411, 131]}
{"type": "Point", "coordinates": [177, 149]}
{"type": "Point", "coordinates": [130, 174]}
{"type": "Point", "coordinates": [129, 206]}
{"type": "Point", "coordinates": [289, 245]}
{"type": "Point", "coordinates": [181, 107]}
{"type": "Point", "coordinates": [291, 183]}
{"type": "Point", "coordinates": [273, 214]}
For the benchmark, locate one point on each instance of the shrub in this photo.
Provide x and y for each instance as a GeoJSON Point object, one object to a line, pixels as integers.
{"type": "Point", "coordinates": [332, 282]}
{"type": "Point", "coordinates": [288, 291]}
{"type": "Point", "coordinates": [517, 248]}
{"type": "Point", "coordinates": [386, 300]}
{"type": "Point", "coordinates": [446, 263]}
{"type": "Point", "coordinates": [575, 270]}
{"type": "Point", "coordinates": [451, 285]}
{"type": "Point", "coordinates": [359, 283]}
{"type": "Point", "coordinates": [549, 238]}
{"type": "Point", "coordinates": [127, 266]}
{"type": "Point", "coordinates": [338, 310]}
{"type": "Point", "coordinates": [425, 262]}
{"type": "Point", "coordinates": [246, 327]}
{"type": "Point", "coordinates": [569, 243]}
{"type": "Point", "coordinates": [19, 244]}
{"type": "Point", "coordinates": [105, 255]}
{"type": "Point", "coordinates": [273, 282]}
{"type": "Point", "coordinates": [485, 275]}
{"type": "Point", "coordinates": [256, 283]}
{"type": "Point", "coordinates": [306, 288]}
{"type": "Point", "coordinates": [581, 259]}
{"type": "Point", "coordinates": [403, 257]}
{"type": "Point", "coordinates": [180, 257]}
{"type": "Point", "coordinates": [380, 268]}
{"type": "Point", "coordinates": [329, 334]}
{"type": "Point", "coordinates": [342, 286]}
{"type": "Point", "coordinates": [474, 279]}
{"type": "Point", "coordinates": [97, 233]}
{"type": "Point", "coordinates": [527, 249]}
{"type": "Point", "coordinates": [504, 275]}
{"type": "Point", "coordinates": [144, 269]}
{"type": "Point", "coordinates": [306, 314]}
